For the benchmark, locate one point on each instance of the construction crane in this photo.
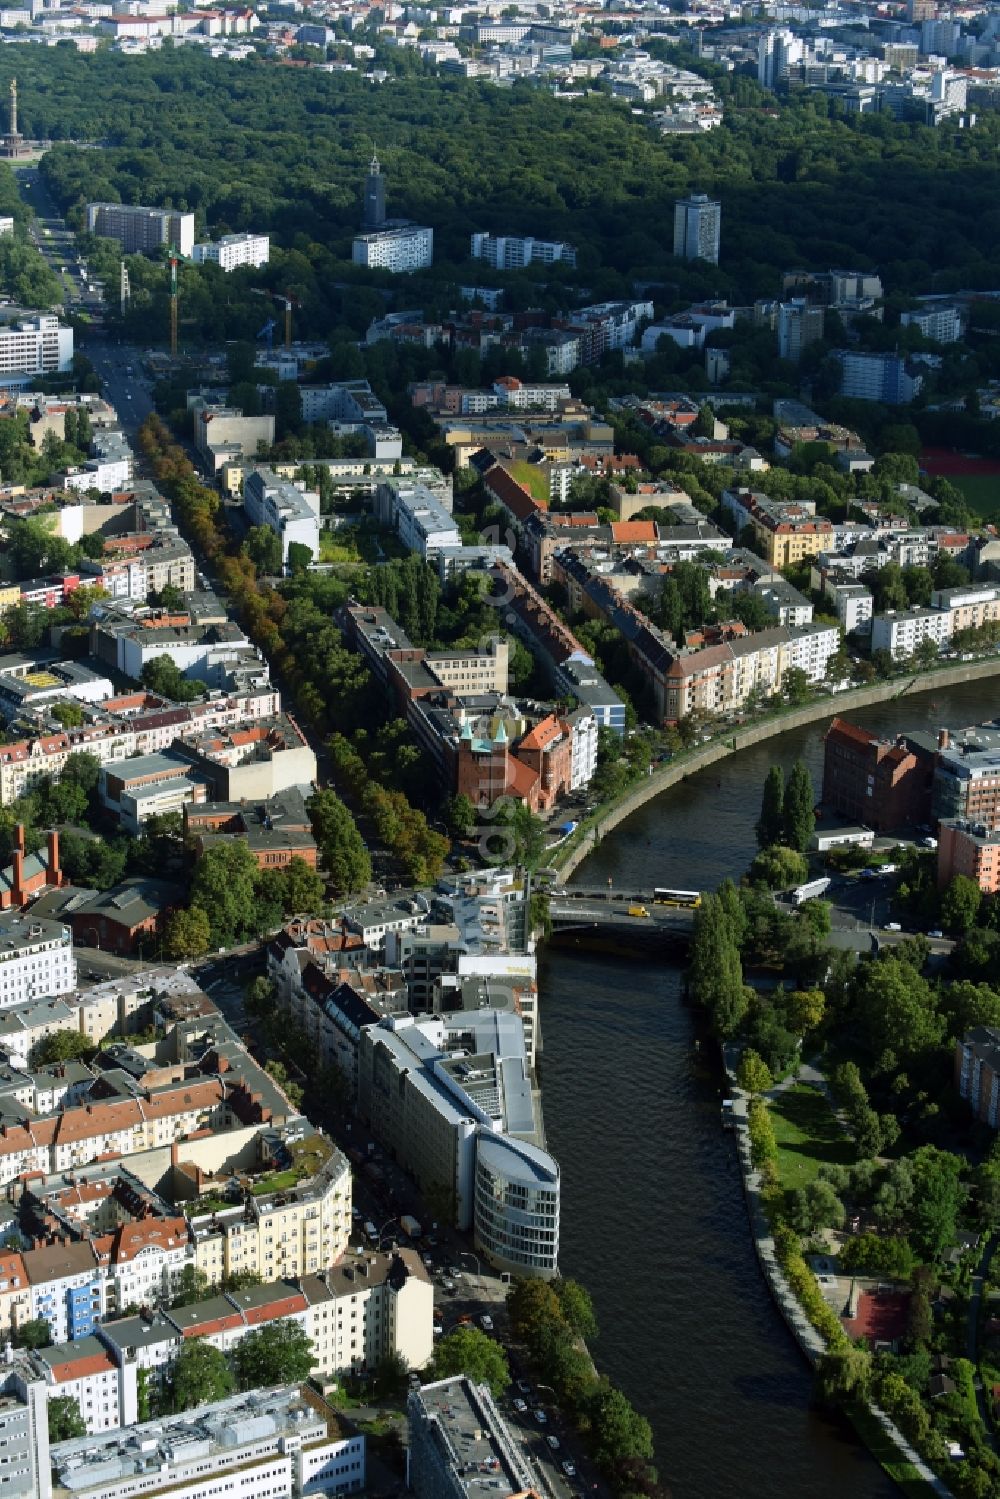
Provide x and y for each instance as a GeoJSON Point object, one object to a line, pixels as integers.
{"type": "Point", "coordinates": [268, 332]}
{"type": "Point", "coordinates": [288, 303]}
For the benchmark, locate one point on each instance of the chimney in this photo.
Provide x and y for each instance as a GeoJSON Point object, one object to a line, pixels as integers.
{"type": "Point", "coordinates": [17, 880]}
{"type": "Point", "coordinates": [944, 739]}
{"type": "Point", "coordinates": [54, 872]}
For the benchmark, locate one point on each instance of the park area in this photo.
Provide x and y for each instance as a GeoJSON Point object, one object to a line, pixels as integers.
{"type": "Point", "coordinates": [807, 1135]}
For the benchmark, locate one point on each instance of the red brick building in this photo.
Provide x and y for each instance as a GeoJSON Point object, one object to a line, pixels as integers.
{"type": "Point", "coordinates": [27, 874]}
{"type": "Point", "coordinates": [536, 771]}
{"type": "Point", "coordinates": [882, 784]}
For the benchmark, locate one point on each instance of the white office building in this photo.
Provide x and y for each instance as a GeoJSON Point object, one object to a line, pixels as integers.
{"type": "Point", "coordinates": [292, 513]}
{"type": "Point", "coordinates": [234, 250]}
{"type": "Point", "coordinates": [24, 1431]}
{"type": "Point", "coordinates": [418, 517]}
{"type": "Point", "coordinates": [404, 247]}
{"type": "Point", "coordinates": [282, 1442]}
{"type": "Point", "coordinates": [139, 229]}
{"type": "Point", "coordinates": [517, 1206]}
{"type": "Point", "coordinates": [39, 345]}
{"type": "Point", "coordinates": [457, 1434]}
{"type": "Point", "coordinates": [697, 223]}
{"type": "Point", "coordinates": [36, 959]}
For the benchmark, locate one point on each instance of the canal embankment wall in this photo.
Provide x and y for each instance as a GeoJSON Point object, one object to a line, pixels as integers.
{"type": "Point", "coordinates": [730, 741]}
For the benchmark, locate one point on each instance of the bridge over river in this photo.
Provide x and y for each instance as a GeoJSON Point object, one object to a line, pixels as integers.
{"type": "Point", "coordinates": [603, 913]}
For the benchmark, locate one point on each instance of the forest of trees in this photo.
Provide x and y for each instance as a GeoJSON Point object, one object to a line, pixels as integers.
{"type": "Point", "coordinates": [250, 145]}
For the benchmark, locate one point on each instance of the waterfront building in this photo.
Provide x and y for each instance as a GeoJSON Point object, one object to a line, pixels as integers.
{"type": "Point", "coordinates": [884, 784]}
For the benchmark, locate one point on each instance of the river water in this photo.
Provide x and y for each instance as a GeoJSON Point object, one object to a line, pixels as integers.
{"type": "Point", "coordinates": [653, 1217]}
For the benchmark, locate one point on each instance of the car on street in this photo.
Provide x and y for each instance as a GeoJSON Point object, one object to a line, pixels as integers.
{"type": "Point", "coordinates": [519, 1405]}
{"type": "Point", "coordinates": [553, 1442]}
{"type": "Point", "coordinates": [438, 1329]}
{"type": "Point", "coordinates": [541, 1417]}
{"type": "Point", "coordinates": [524, 1387]}
{"type": "Point", "coordinates": [569, 1468]}
{"type": "Point", "coordinates": [486, 1322]}
{"type": "Point", "coordinates": [936, 933]}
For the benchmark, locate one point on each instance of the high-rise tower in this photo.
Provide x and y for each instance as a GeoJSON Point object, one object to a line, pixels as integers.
{"type": "Point", "coordinates": [374, 209]}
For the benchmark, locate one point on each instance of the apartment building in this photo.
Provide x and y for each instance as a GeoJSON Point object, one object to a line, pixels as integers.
{"type": "Point", "coordinates": [513, 252]}
{"type": "Point", "coordinates": [139, 230]}
{"type": "Point", "coordinates": [39, 345]}
{"type": "Point", "coordinates": [969, 607]}
{"type": "Point", "coordinates": [798, 325]}
{"type": "Point", "coordinates": [234, 250]}
{"type": "Point", "coordinates": [36, 959]}
{"type": "Point", "coordinates": [784, 533]}
{"type": "Point", "coordinates": [403, 248]}
{"type": "Point", "coordinates": [900, 631]}
{"type": "Point", "coordinates": [977, 1072]}
{"type": "Point", "coordinates": [292, 513]}
{"type": "Point", "coordinates": [970, 849]}
{"type": "Point", "coordinates": [888, 378]}
{"type": "Point", "coordinates": [24, 1430]}
{"type": "Point", "coordinates": [278, 1234]}
{"type": "Point", "coordinates": [697, 225]}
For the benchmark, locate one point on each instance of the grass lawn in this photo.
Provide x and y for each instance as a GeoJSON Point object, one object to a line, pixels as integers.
{"type": "Point", "coordinates": [532, 478]}
{"type": "Point", "coordinates": [982, 491]}
{"type": "Point", "coordinates": [807, 1134]}
{"type": "Point", "coordinates": [887, 1455]}
{"type": "Point", "coordinates": [338, 546]}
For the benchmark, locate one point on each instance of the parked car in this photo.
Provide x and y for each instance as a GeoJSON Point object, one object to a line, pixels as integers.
{"type": "Point", "coordinates": [936, 933]}
{"type": "Point", "coordinates": [541, 1417]}
{"type": "Point", "coordinates": [569, 1469]}
{"type": "Point", "coordinates": [520, 1406]}
{"type": "Point", "coordinates": [486, 1323]}
{"type": "Point", "coordinates": [524, 1387]}
{"type": "Point", "coordinates": [553, 1442]}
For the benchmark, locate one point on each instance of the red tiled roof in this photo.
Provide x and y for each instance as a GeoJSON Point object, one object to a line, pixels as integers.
{"type": "Point", "coordinates": [633, 530]}
{"type": "Point", "coordinates": [82, 1368]}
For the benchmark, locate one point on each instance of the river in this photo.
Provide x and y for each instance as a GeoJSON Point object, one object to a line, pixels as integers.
{"type": "Point", "coordinates": [653, 1218]}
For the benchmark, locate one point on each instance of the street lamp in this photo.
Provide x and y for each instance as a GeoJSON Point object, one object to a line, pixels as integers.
{"type": "Point", "coordinates": [468, 1254]}
{"type": "Point", "coordinates": [382, 1230]}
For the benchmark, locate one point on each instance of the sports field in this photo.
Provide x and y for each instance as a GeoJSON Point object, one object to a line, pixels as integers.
{"type": "Point", "coordinates": [977, 478]}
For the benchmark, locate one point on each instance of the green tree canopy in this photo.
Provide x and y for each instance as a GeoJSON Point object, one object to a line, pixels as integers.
{"type": "Point", "coordinates": [753, 1073]}
{"type": "Point", "coordinates": [771, 822]}
{"type": "Point", "coordinates": [342, 849]}
{"type": "Point", "coordinates": [198, 1376]}
{"type": "Point", "coordinates": [798, 816]}
{"type": "Point", "coordinates": [65, 1420]}
{"type": "Point", "coordinates": [469, 1351]}
{"type": "Point", "coordinates": [277, 1353]}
